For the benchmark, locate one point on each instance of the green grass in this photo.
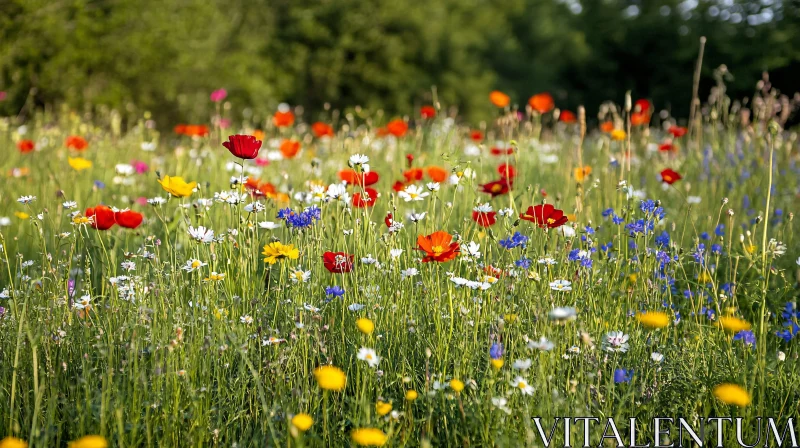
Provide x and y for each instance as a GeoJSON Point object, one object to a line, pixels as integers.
{"type": "Point", "coordinates": [176, 366]}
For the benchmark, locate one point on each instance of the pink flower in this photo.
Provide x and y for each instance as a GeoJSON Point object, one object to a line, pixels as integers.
{"type": "Point", "coordinates": [262, 162]}
{"type": "Point", "coordinates": [219, 95]}
{"type": "Point", "coordinates": [224, 123]}
{"type": "Point", "coordinates": [3, 95]}
{"type": "Point", "coordinates": [140, 166]}
{"type": "Point", "coordinates": [141, 200]}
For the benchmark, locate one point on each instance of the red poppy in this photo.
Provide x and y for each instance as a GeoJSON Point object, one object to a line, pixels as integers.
{"type": "Point", "coordinates": [640, 118]}
{"type": "Point", "coordinates": [283, 119]}
{"type": "Point", "coordinates": [289, 148]}
{"type": "Point", "coordinates": [545, 216]}
{"type": "Point", "coordinates": [128, 219]}
{"type": "Point", "coordinates": [670, 176]}
{"type": "Point", "coordinates": [643, 106]}
{"type": "Point", "coordinates": [365, 199]}
{"type": "Point", "coordinates": [321, 129]}
{"type": "Point", "coordinates": [542, 102]}
{"type": "Point", "coordinates": [667, 146]}
{"type": "Point", "coordinates": [427, 112]}
{"type": "Point", "coordinates": [496, 188]}
{"type": "Point", "coordinates": [337, 262]}
{"type": "Point", "coordinates": [476, 136]}
{"type": "Point", "coordinates": [567, 117]}
{"type": "Point", "coordinates": [413, 174]}
{"type": "Point", "coordinates": [607, 127]}
{"type": "Point", "coordinates": [484, 219]}
{"type": "Point", "coordinates": [677, 131]}
{"type": "Point", "coordinates": [410, 159]}
{"type": "Point", "coordinates": [103, 217]}
{"type": "Point", "coordinates": [397, 127]}
{"type": "Point", "coordinates": [76, 142]}
{"type": "Point", "coordinates": [438, 246]}
{"type": "Point", "coordinates": [26, 146]}
{"type": "Point", "coordinates": [399, 186]}
{"type": "Point", "coordinates": [353, 177]}
{"type": "Point", "coordinates": [501, 151]}
{"type": "Point", "coordinates": [437, 173]}
{"type": "Point", "coordinates": [180, 129]}
{"type": "Point", "coordinates": [243, 146]}
{"type": "Point", "coordinates": [507, 171]}
{"type": "Point", "coordinates": [388, 220]}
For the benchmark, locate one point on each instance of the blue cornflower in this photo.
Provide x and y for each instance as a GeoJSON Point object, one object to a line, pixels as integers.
{"type": "Point", "coordinates": [608, 212]}
{"type": "Point", "coordinates": [589, 230]}
{"type": "Point", "coordinates": [334, 291]}
{"type": "Point", "coordinates": [663, 239]}
{"type": "Point", "coordinates": [705, 236]}
{"type": "Point", "coordinates": [515, 240]}
{"type": "Point", "coordinates": [745, 336]}
{"type": "Point", "coordinates": [623, 375]}
{"type": "Point", "coordinates": [720, 230]}
{"type": "Point", "coordinates": [789, 332]}
{"type": "Point", "coordinates": [496, 351]}
{"type": "Point", "coordinates": [716, 249]}
{"type": "Point", "coordinates": [523, 263]}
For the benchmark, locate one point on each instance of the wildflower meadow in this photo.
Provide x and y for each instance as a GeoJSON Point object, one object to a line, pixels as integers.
{"type": "Point", "coordinates": [350, 278]}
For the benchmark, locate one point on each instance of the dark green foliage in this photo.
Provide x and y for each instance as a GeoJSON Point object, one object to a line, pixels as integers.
{"type": "Point", "coordinates": [167, 55]}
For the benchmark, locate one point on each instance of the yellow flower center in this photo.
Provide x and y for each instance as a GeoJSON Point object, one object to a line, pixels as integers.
{"type": "Point", "coordinates": [196, 263]}
{"type": "Point", "coordinates": [438, 250]}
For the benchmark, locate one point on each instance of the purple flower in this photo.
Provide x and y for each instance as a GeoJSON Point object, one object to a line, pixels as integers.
{"type": "Point", "coordinates": [496, 351]}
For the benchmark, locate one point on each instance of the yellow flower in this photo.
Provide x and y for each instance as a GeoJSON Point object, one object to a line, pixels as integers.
{"type": "Point", "coordinates": [383, 408]}
{"type": "Point", "coordinates": [79, 163]}
{"type": "Point", "coordinates": [732, 394]}
{"type": "Point", "coordinates": [365, 325]}
{"type": "Point", "coordinates": [733, 324]}
{"type": "Point", "coordinates": [632, 278]}
{"type": "Point", "coordinates": [510, 318]}
{"type": "Point", "coordinates": [176, 186]}
{"type": "Point", "coordinates": [497, 363]}
{"type": "Point", "coordinates": [751, 248]}
{"type": "Point", "coordinates": [13, 442]}
{"type": "Point", "coordinates": [368, 437]}
{"type": "Point", "coordinates": [302, 421]}
{"type": "Point", "coordinates": [705, 277]}
{"type": "Point", "coordinates": [457, 385]}
{"type": "Point", "coordinates": [214, 277]}
{"type": "Point", "coordinates": [582, 172]}
{"type": "Point", "coordinates": [22, 215]}
{"type": "Point", "coordinates": [277, 251]}
{"type": "Point", "coordinates": [618, 135]}
{"type": "Point", "coordinates": [411, 395]}
{"type": "Point", "coordinates": [90, 442]}
{"type": "Point", "coordinates": [653, 319]}
{"type": "Point", "coordinates": [330, 378]}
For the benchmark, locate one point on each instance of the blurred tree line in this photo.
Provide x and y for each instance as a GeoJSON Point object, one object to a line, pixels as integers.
{"type": "Point", "coordinates": [167, 55]}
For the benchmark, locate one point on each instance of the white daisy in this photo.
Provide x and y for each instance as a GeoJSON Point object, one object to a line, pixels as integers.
{"type": "Point", "coordinates": [26, 199]}
{"type": "Point", "coordinates": [201, 234]}
{"type": "Point", "coordinates": [561, 285]}
{"type": "Point", "coordinates": [369, 356]}
{"type": "Point", "coordinates": [193, 265]}
{"type": "Point", "coordinates": [413, 193]}
{"type": "Point", "coordinates": [523, 386]}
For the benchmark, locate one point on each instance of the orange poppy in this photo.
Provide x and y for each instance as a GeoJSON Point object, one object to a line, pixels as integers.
{"type": "Point", "coordinates": [542, 102]}
{"type": "Point", "coordinates": [290, 148]}
{"type": "Point", "coordinates": [437, 173]}
{"type": "Point", "coordinates": [607, 126]}
{"type": "Point", "coordinates": [321, 129]}
{"type": "Point", "coordinates": [195, 130]}
{"type": "Point", "coordinates": [499, 99]}
{"type": "Point", "coordinates": [413, 174]}
{"type": "Point", "coordinates": [353, 177]}
{"type": "Point", "coordinates": [283, 119]}
{"type": "Point", "coordinates": [76, 142]}
{"type": "Point", "coordinates": [258, 134]}
{"type": "Point", "coordinates": [582, 173]}
{"type": "Point", "coordinates": [438, 246]}
{"type": "Point", "coordinates": [639, 118]}
{"type": "Point", "coordinates": [397, 127]}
